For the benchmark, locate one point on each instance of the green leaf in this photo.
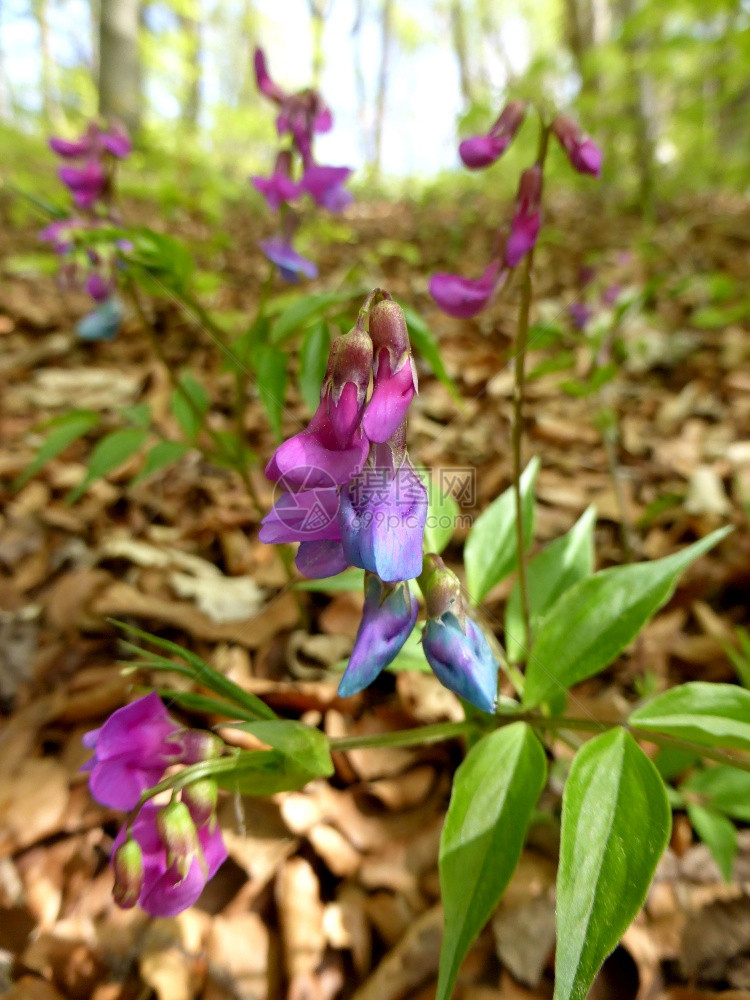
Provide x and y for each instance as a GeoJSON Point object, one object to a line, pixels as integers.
{"type": "Point", "coordinates": [270, 367]}
{"type": "Point", "coordinates": [305, 747]}
{"type": "Point", "coordinates": [302, 311]}
{"type": "Point", "coordinates": [427, 347]}
{"type": "Point", "coordinates": [202, 673]}
{"type": "Point", "coordinates": [718, 833]}
{"type": "Point", "coordinates": [189, 415]}
{"type": "Point", "coordinates": [616, 823]}
{"type": "Point", "coordinates": [494, 793]}
{"type": "Point", "coordinates": [595, 619]}
{"type": "Point", "coordinates": [239, 356]}
{"type": "Point", "coordinates": [263, 772]}
{"type": "Point", "coordinates": [158, 262]}
{"type": "Point", "coordinates": [711, 715]}
{"type": "Point", "coordinates": [558, 566]}
{"type": "Point", "coordinates": [442, 512]}
{"type": "Point", "coordinates": [109, 453]}
{"type": "Point", "coordinates": [491, 551]}
{"type": "Point", "coordinates": [63, 431]}
{"type": "Point", "coordinates": [162, 454]}
{"type": "Point", "coordinates": [313, 358]}
{"type": "Point", "coordinates": [723, 788]}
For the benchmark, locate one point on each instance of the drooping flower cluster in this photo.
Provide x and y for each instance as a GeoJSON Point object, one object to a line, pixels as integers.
{"type": "Point", "coordinates": [464, 297]}
{"type": "Point", "coordinates": [164, 857]}
{"type": "Point", "coordinates": [88, 173]}
{"type": "Point", "coordinates": [351, 497]}
{"type": "Point", "coordinates": [300, 117]}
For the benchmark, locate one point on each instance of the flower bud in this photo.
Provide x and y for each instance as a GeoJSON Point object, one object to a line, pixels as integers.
{"type": "Point", "coordinates": [395, 377]}
{"type": "Point", "coordinates": [350, 369]}
{"type": "Point", "coordinates": [462, 660]}
{"type": "Point", "coordinates": [482, 150]}
{"type": "Point", "coordinates": [127, 864]}
{"type": "Point", "coordinates": [177, 832]}
{"type": "Point", "coordinates": [441, 588]}
{"type": "Point", "coordinates": [387, 621]}
{"type": "Point", "coordinates": [524, 227]}
{"type": "Point", "coordinates": [584, 155]}
{"type": "Point", "coordinates": [201, 797]}
{"type": "Point", "coordinates": [196, 745]}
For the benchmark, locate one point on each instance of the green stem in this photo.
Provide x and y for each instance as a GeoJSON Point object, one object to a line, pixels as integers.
{"type": "Point", "coordinates": [405, 737]}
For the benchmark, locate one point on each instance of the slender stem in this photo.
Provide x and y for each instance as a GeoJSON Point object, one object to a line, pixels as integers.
{"type": "Point", "coordinates": [626, 527]}
{"type": "Point", "coordinates": [522, 333]}
{"type": "Point", "coordinates": [404, 738]}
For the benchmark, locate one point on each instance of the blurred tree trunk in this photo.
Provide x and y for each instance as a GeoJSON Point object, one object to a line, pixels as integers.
{"type": "Point", "coordinates": [386, 38]}
{"type": "Point", "coordinates": [318, 13]}
{"type": "Point", "coordinates": [581, 35]}
{"type": "Point", "coordinates": [641, 109]}
{"type": "Point", "coordinates": [190, 23]}
{"type": "Point", "coordinates": [359, 80]}
{"type": "Point", "coordinates": [458, 32]}
{"type": "Point", "coordinates": [95, 16]}
{"type": "Point", "coordinates": [120, 93]}
{"type": "Point", "coordinates": [50, 108]}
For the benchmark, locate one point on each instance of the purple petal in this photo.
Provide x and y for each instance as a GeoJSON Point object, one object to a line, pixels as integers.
{"type": "Point", "coordinates": [289, 262]}
{"type": "Point", "coordinates": [317, 560]}
{"type": "Point", "coordinates": [587, 158]}
{"type": "Point", "coordinates": [345, 414]}
{"type": "Point", "coordinates": [462, 661]}
{"type": "Point", "coordinates": [323, 121]}
{"type": "Point", "coordinates": [117, 142]}
{"type": "Point", "coordinates": [71, 149]}
{"type": "Point", "coordinates": [391, 397]}
{"type": "Point", "coordinates": [138, 729]}
{"type": "Point", "coordinates": [463, 297]}
{"type": "Point", "coordinates": [276, 189]}
{"type": "Point", "coordinates": [98, 287]}
{"type": "Point", "coordinates": [482, 150]}
{"type": "Point", "coordinates": [302, 517]}
{"type": "Point", "coordinates": [85, 183]}
{"type": "Point", "coordinates": [314, 457]}
{"type": "Point", "coordinates": [324, 185]}
{"type": "Point", "coordinates": [524, 230]}
{"type": "Point", "coordinates": [118, 784]}
{"type": "Point", "coordinates": [265, 83]}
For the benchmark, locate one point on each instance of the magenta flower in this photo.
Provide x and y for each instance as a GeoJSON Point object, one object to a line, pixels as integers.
{"type": "Point", "coordinates": [315, 457]}
{"type": "Point", "coordinates": [290, 263]}
{"type": "Point", "coordinates": [86, 183]}
{"type": "Point", "coordinates": [394, 375]}
{"type": "Point", "coordinates": [382, 516]}
{"type": "Point", "coordinates": [482, 150]}
{"type": "Point", "coordinates": [170, 886]}
{"type": "Point", "coordinates": [279, 187]}
{"type": "Point", "coordinates": [388, 618]}
{"type": "Point", "coordinates": [131, 752]}
{"type": "Point", "coordinates": [265, 83]}
{"type": "Point", "coordinates": [584, 155]}
{"type": "Point", "coordinates": [58, 234]}
{"type": "Point", "coordinates": [98, 287]}
{"type": "Point", "coordinates": [304, 516]}
{"type": "Point", "coordinates": [93, 143]}
{"type": "Point", "coordinates": [580, 314]}
{"type": "Point", "coordinates": [464, 297]}
{"type": "Point", "coordinates": [524, 226]}
{"type": "Point", "coordinates": [325, 186]}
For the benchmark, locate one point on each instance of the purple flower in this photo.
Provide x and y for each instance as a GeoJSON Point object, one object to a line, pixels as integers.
{"type": "Point", "coordinates": [382, 516]}
{"type": "Point", "coordinates": [611, 294]}
{"type": "Point", "coordinates": [584, 155]}
{"type": "Point", "coordinates": [304, 516]}
{"type": "Point", "coordinates": [93, 143]}
{"type": "Point", "coordinates": [265, 83]}
{"type": "Point", "coordinates": [279, 187]}
{"type": "Point", "coordinates": [86, 183]}
{"type": "Point", "coordinates": [57, 233]}
{"type": "Point", "coordinates": [580, 313]}
{"type": "Point", "coordinates": [524, 226]}
{"type": "Point", "coordinates": [98, 287]}
{"type": "Point", "coordinates": [325, 186]}
{"type": "Point", "coordinates": [318, 560]}
{"type": "Point", "coordinates": [290, 264]}
{"type": "Point", "coordinates": [131, 752]}
{"type": "Point", "coordinates": [464, 297]}
{"type": "Point", "coordinates": [462, 659]}
{"type": "Point", "coordinates": [315, 457]}
{"type": "Point", "coordinates": [482, 150]}
{"type": "Point", "coordinates": [170, 886]}
{"type": "Point", "coordinates": [117, 142]}
{"type": "Point", "coordinates": [387, 621]}
{"type": "Point", "coordinates": [394, 376]}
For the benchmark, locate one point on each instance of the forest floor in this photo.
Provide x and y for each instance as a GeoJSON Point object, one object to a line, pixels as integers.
{"type": "Point", "coordinates": [333, 890]}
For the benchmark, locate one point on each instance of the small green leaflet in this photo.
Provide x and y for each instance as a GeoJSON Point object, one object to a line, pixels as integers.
{"type": "Point", "coordinates": [616, 823]}
{"type": "Point", "coordinates": [711, 715]}
{"type": "Point", "coordinates": [494, 793]}
{"type": "Point", "coordinates": [313, 358]}
{"type": "Point", "coordinates": [596, 618]}
{"type": "Point", "coordinates": [189, 405]}
{"type": "Point", "coordinates": [269, 364]}
{"type": "Point", "coordinates": [718, 833]}
{"type": "Point", "coordinates": [63, 431]}
{"type": "Point", "coordinates": [109, 453]}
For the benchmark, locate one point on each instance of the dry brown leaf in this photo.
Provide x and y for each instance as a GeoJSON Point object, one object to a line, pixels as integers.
{"type": "Point", "coordinates": [33, 803]}
{"type": "Point", "coordinates": [238, 955]}
{"type": "Point", "coordinates": [301, 917]}
{"type": "Point", "coordinates": [410, 963]}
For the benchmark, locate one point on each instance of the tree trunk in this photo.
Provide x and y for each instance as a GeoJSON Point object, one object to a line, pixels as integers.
{"type": "Point", "coordinates": [190, 104]}
{"type": "Point", "coordinates": [120, 94]}
{"type": "Point", "coordinates": [50, 109]}
{"type": "Point", "coordinates": [458, 31]}
{"type": "Point", "coordinates": [642, 112]}
{"type": "Point", "coordinates": [386, 37]}
{"type": "Point", "coordinates": [359, 81]}
{"type": "Point", "coordinates": [318, 13]}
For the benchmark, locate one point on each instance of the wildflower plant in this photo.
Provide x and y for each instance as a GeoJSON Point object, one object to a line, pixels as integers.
{"type": "Point", "coordinates": [348, 495]}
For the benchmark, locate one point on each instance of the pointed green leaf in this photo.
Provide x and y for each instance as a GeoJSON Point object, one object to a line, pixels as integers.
{"type": "Point", "coordinates": [711, 715]}
{"type": "Point", "coordinates": [723, 788]}
{"type": "Point", "coordinates": [616, 823]}
{"type": "Point", "coordinates": [302, 311]}
{"type": "Point", "coordinates": [162, 454]}
{"type": "Point", "coordinates": [109, 453]}
{"type": "Point", "coordinates": [306, 747]}
{"type": "Point", "coordinates": [189, 412]}
{"type": "Point", "coordinates": [63, 431]}
{"type": "Point", "coordinates": [494, 794]}
{"type": "Point", "coordinates": [491, 552]}
{"type": "Point", "coordinates": [269, 364]}
{"type": "Point", "coordinates": [595, 619]}
{"type": "Point", "coordinates": [718, 833]}
{"type": "Point", "coordinates": [313, 358]}
{"type": "Point", "coordinates": [558, 566]}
